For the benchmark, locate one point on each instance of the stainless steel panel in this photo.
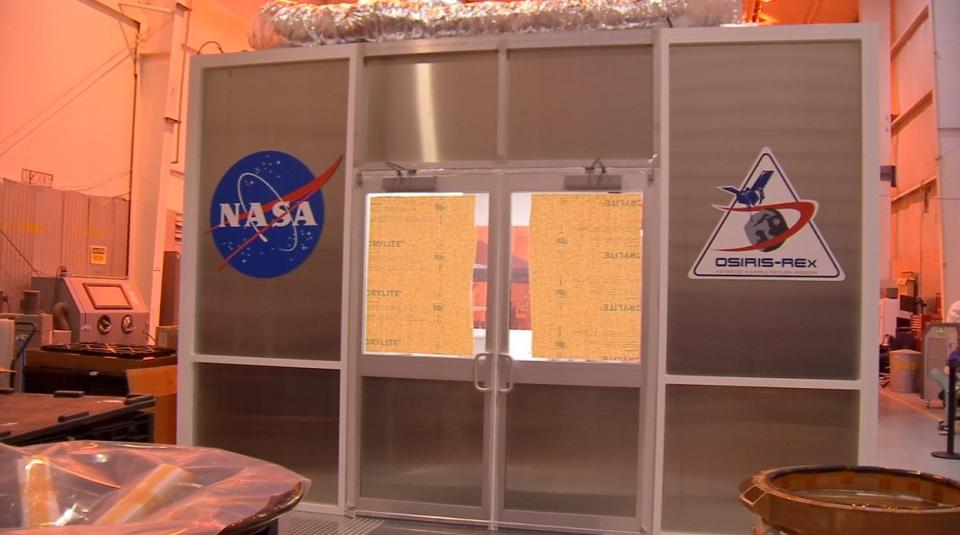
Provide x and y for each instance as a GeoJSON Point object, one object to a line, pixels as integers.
{"type": "Point", "coordinates": [431, 107]}
{"type": "Point", "coordinates": [288, 416]}
{"type": "Point", "coordinates": [572, 450]}
{"type": "Point", "coordinates": [578, 373]}
{"type": "Point", "coordinates": [715, 437]}
{"type": "Point", "coordinates": [580, 103]}
{"type": "Point", "coordinates": [421, 441]}
{"type": "Point", "coordinates": [413, 367]}
{"type": "Point", "coordinates": [300, 109]}
{"type": "Point", "coordinates": [727, 102]}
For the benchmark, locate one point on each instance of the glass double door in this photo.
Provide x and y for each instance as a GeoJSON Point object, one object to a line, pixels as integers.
{"type": "Point", "coordinates": [500, 371]}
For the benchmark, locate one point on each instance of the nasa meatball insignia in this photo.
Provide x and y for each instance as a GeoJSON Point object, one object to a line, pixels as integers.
{"type": "Point", "coordinates": [267, 213]}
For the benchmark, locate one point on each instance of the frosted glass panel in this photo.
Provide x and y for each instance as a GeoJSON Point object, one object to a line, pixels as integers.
{"type": "Point", "coordinates": [576, 276]}
{"type": "Point", "coordinates": [572, 450]}
{"type": "Point", "coordinates": [288, 416]}
{"type": "Point", "coordinates": [298, 109]}
{"type": "Point", "coordinates": [421, 254]}
{"type": "Point", "coordinates": [807, 110]}
{"type": "Point", "coordinates": [581, 103]}
{"type": "Point", "coordinates": [715, 437]}
{"type": "Point", "coordinates": [421, 441]}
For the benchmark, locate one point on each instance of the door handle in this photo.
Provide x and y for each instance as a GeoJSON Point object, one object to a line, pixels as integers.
{"type": "Point", "coordinates": [507, 372]}
{"type": "Point", "coordinates": [477, 359]}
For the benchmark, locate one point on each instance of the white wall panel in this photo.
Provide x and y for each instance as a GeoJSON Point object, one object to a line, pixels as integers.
{"type": "Point", "coordinates": [904, 13]}
{"type": "Point", "coordinates": [947, 42]}
{"type": "Point", "coordinates": [915, 150]}
{"type": "Point", "coordinates": [950, 199]}
{"type": "Point", "coordinates": [914, 69]}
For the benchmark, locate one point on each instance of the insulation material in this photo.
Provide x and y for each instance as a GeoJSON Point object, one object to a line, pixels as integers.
{"type": "Point", "coordinates": [291, 23]}
{"type": "Point", "coordinates": [106, 488]}
{"type": "Point", "coordinates": [420, 258]}
{"type": "Point", "coordinates": [586, 276]}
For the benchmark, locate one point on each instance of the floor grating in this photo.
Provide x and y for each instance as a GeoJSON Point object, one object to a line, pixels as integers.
{"type": "Point", "coordinates": [302, 523]}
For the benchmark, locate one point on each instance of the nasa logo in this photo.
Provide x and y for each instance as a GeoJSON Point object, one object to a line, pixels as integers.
{"type": "Point", "coordinates": [266, 216]}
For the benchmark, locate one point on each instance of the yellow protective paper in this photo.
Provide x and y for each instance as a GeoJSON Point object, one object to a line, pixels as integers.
{"type": "Point", "coordinates": [420, 259]}
{"type": "Point", "coordinates": [586, 276]}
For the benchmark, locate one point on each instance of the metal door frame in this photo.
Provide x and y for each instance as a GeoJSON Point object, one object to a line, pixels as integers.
{"type": "Point", "coordinates": [414, 367]}
{"type": "Point", "coordinates": [499, 184]}
{"type": "Point", "coordinates": [595, 374]}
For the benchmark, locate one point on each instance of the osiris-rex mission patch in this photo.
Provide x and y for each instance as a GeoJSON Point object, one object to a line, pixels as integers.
{"type": "Point", "coordinates": [766, 232]}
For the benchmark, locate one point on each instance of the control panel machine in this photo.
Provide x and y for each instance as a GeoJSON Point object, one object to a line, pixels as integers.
{"type": "Point", "coordinates": [110, 311]}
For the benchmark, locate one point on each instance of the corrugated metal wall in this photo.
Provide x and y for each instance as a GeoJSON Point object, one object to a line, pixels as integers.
{"type": "Point", "coordinates": [53, 228]}
{"type": "Point", "coordinates": [916, 201]}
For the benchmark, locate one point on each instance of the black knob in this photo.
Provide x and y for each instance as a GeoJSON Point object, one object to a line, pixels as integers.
{"type": "Point", "coordinates": [126, 324]}
{"type": "Point", "coordinates": [104, 324]}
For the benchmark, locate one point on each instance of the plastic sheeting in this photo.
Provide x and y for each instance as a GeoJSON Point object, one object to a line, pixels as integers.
{"type": "Point", "coordinates": [290, 23]}
{"type": "Point", "coordinates": [106, 488]}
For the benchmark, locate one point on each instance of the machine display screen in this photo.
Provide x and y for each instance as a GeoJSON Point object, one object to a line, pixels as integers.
{"type": "Point", "coordinates": [107, 296]}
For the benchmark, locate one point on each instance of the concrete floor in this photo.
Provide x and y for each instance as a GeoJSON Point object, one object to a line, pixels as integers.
{"type": "Point", "coordinates": [907, 435]}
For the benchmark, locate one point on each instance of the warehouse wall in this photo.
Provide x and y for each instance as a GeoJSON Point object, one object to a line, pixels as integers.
{"type": "Point", "coordinates": [190, 28]}
{"type": "Point", "coordinates": [88, 82]}
{"type": "Point", "coordinates": [44, 228]}
{"type": "Point", "coordinates": [62, 112]}
{"type": "Point", "coordinates": [916, 204]}
{"type": "Point", "coordinates": [69, 116]}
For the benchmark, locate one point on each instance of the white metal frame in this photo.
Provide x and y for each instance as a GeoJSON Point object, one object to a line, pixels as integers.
{"type": "Point", "coordinates": [655, 343]}
{"type": "Point", "coordinates": [350, 307]}
{"type": "Point", "coordinates": [187, 353]}
{"type": "Point", "coordinates": [502, 45]}
{"type": "Point", "coordinates": [867, 383]}
{"type": "Point", "coordinates": [503, 182]}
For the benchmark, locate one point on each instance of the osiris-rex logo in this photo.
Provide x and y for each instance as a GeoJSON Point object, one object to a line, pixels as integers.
{"type": "Point", "coordinates": [733, 261]}
{"type": "Point", "coordinates": [766, 231]}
